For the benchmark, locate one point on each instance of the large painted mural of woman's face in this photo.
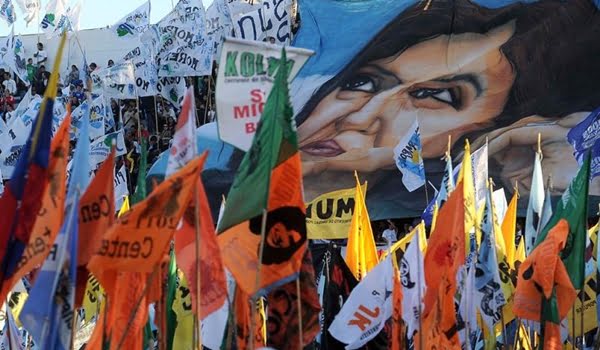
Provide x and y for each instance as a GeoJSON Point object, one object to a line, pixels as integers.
{"type": "Point", "coordinates": [460, 85]}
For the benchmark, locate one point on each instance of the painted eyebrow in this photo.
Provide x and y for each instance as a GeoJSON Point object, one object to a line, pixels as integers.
{"type": "Point", "coordinates": [383, 71]}
{"type": "Point", "coordinates": [469, 78]}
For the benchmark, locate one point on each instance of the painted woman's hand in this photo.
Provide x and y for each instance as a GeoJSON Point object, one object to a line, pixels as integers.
{"type": "Point", "coordinates": [514, 148]}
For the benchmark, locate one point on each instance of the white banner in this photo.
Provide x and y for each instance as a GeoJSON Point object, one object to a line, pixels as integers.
{"type": "Point", "coordinates": [146, 77]}
{"type": "Point", "coordinates": [100, 149]}
{"type": "Point", "coordinates": [117, 81]}
{"type": "Point", "coordinates": [184, 48]}
{"type": "Point", "coordinates": [7, 11]}
{"type": "Point", "coordinates": [30, 9]}
{"type": "Point", "coordinates": [246, 75]}
{"type": "Point", "coordinates": [121, 190]}
{"type": "Point", "coordinates": [173, 89]}
{"type": "Point", "coordinates": [15, 138]}
{"type": "Point", "coordinates": [99, 113]}
{"type": "Point", "coordinates": [271, 20]}
{"type": "Point", "coordinates": [133, 24]}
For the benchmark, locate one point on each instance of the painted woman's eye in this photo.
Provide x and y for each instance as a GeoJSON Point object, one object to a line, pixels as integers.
{"type": "Point", "coordinates": [447, 96]}
{"type": "Point", "coordinates": [360, 82]}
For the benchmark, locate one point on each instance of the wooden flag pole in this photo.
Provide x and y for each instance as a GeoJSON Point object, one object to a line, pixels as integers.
{"type": "Point", "coordinates": [263, 228]}
{"type": "Point", "coordinates": [149, 281]}
{"type": "Point", "coordinates": [300, 326]}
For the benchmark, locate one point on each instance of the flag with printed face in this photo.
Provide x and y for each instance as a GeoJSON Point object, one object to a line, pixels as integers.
{"type": "Point", "coordinates": [133, 24]}
{"type": "Point", "coordinates": [370, 304]}
{"type": "Point", "coordinates": [409, 159]}
{"type": "Point", "coordinates": [488, 292]}
{"type": "Point", "coordinates": [283, 310]}
{"type": "Point", "coordinates": [361, 253]}
{"type": "Point", "coordinates": [183, 147]}
{"type": "Point", "coordinates": [23, 195]}
{"type": "Point", "coordinates": [412, 278]}
{"type": "Point", "coordinates": [544, 290]}
{"type": "Point", "coordinates": [536, 203]}
{"type": "Point", "coordinates": [49, 219]}
{"type": "Point", "coordinates": [139, 238]}
{"type": "Point", "coordinates": [96, 208]}
{"type": "Point", "coordinates": [269, 179]}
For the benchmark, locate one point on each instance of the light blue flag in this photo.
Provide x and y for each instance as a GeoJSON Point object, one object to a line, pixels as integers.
{"type": "Point", "coordinates": [48, 312]}
{"type": "Point", "coordinates": [409, 159]}
{"type": "Point", "coordinates": [80, 172]}
{"type": "Point", "coordinates": [488, 292]}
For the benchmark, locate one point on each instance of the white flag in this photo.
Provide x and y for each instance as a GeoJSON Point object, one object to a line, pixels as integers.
{"type": "Point", "coordinates": [409, 160]}
{"type": "Point", "coordinates": [69, 20]}
{"type": "Point", "coordinates": [250, 25]}
{"type": "Point", "coordinates": [100, 149]}
{"type": "Point", "coordinates": [536, 204]}
{"type": "Point", "coordinates": [15, 57]}
{"type": "Point", "coordinates": [55, 9]}
{"type": "Point", "coordinates": [117, 81]}
{"type": "Point", "coordinates": [121, 190]}
{"type": "Point", "coordinates": [172, 89]}
{"type": "Point", "coordinates": [146, 77]}
{"type": "Point", "coordinates": [368, 307]}
{"type": "Point", "coordinates": [488, 287]}
{"type": "Point", "coordinates": [98, 114]}
{"type": "Point", "coordinates": [30, 9]}
{"type": "Point", "coordinates": [133, 24]}
{"type": "Point", "coordinates": [479, 160]}
{"type": "Point", "coordinates": [7, 11]}
{"type": "Point", "coordinates": [183, 147]}
{"type": "Point", "coordinates": [412, 277]}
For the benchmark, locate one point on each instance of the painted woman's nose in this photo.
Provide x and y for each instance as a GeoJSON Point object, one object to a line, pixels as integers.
{"type": "Point", "coordinates": [365, 121]}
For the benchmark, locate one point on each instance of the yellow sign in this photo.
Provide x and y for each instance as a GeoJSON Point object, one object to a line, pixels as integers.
{"type": "Point", "coordinates": [329, 215]}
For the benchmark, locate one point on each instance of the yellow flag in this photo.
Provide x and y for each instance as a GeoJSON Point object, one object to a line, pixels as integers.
{"type": "Point", "coordinates": [125, 207]}
{"type": "Point", "coordinates": [361, 254]}
{"type": "Point", "coordinates": [16, 303]}
{"type": "Point", "coordinates": [509, 228]}
{"type": "Point", "coordinates": [92, 298]}
{"type": "Point", "coordinates": [182, 306]}
{"type": "Point", "coordinates": [436, 210]}
{"type": "Point", "coordinates": [466, 176]}
{"type": "Point", "coordinates": [520, 254]}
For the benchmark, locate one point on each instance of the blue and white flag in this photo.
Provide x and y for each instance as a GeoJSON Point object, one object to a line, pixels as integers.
{"type": "Point", "coordinates": [409, 160]}
{"type": "Point", "coordinates": [585, 136]}
{"type": "Point", "coordinates": [48, 312]}
{"type": "Point", "coordinates": [7, 11]}
{"type": "Point", "coordinates": [447, 186]}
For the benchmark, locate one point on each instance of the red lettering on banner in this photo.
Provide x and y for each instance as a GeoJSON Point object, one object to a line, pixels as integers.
{"type": "Point", "coordinates": [362, 321]}
{"type": "Point", "coordinates": [250, 128]}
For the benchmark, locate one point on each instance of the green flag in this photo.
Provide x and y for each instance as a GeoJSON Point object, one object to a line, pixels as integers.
{"type": "Point", "coordinates": [573, 208]}
{"type": "Point", "coordinates": [275, 141]}
{"type": "Point", "coordinates": [140, 190]}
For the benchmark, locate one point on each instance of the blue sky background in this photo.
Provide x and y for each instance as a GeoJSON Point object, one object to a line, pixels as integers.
{"type": "Point", "coordinates": [96, 13]}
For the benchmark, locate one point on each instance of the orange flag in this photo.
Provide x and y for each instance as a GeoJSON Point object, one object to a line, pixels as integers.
{"type": "Point", "coordinates": [213, 283]}
{"type": "Point", "coordinates": [542, 272]}
{"type": "Point", "coordinates": [96, 213]}
{"type": "Point", "coordinates": [126, 300]}
{"type": "Point", "coordinates": [397, 332]}
{"type": "Point", "coordinates": [445, 254]}
{"type": "Point", "coordinates": [50, 216]}
{"type": "Point", "coordinates": [243, 315]}
{"type": "Point", "coordinates": [139, 238]}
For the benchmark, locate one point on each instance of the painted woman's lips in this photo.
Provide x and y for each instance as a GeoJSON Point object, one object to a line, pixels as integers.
{"type": "Point", "coordinates": [328, 148]}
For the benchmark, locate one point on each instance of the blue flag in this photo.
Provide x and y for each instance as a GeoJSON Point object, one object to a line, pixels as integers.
{"type": "Point", "coordinates": [48, 312]}
{"type": "Point", "coordinates": [586, 136]}
{"type": "Point", "coordinates": [80, 172]}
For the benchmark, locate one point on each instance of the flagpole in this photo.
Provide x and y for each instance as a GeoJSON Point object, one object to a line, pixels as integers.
{"type": "Point", "coordinates": [299, 300]}
{"type": "Point", "coordinates": [149, 281]}
{"type": "Point", "coordinates": [197, 336]}
{"type": "Point", "coordinates": [419, 294]}
{"type": "Point", "coordinates": [261, 249]}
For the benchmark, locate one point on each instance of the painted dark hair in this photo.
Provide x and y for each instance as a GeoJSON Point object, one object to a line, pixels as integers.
{"type": "Point", "coordinates": [554, 51]}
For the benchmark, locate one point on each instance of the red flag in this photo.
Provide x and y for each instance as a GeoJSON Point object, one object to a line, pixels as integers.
{"type": "Point", "coordinates": [212, 275]}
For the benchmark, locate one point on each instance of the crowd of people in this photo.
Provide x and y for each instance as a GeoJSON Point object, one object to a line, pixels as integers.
{"type": "Point", "coordinates": [150, 118]}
